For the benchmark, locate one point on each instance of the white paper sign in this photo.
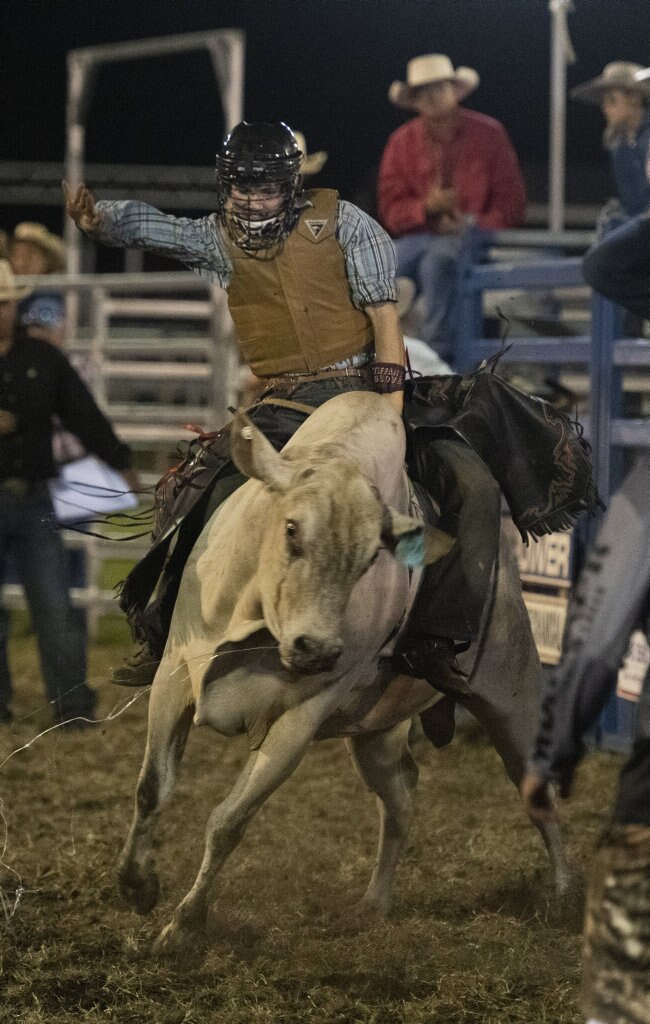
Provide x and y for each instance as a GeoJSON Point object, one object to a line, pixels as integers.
{"type": "Point", "coordinates": [88, 487]}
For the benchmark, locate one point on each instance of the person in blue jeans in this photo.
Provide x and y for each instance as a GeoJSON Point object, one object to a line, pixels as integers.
{"type": "Point", "coordinates": [619, 266]}
{"type": "Point", "coordinates": [28, 528]}
{"type": "Point", "coordinates": [611, 600]}
{"type": "Point", "coordinates": [37, 383]}
{"type": "Point", "coordinates": [446, 168]}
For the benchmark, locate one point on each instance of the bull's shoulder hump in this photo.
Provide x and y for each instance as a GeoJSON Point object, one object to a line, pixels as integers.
{"type": "Point", "coordinates": [352, 419]}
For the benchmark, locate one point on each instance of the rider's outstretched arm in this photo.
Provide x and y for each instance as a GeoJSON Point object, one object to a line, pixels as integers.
{"type": "Point", "coordinates": [135, 225]}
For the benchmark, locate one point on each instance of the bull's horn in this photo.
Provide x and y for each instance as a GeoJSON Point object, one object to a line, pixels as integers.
{"type": "Point", "coordinates": [255, 456]}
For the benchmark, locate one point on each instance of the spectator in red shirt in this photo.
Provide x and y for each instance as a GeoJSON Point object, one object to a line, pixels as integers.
{"type": "Point", "coordinates": [443, 168]}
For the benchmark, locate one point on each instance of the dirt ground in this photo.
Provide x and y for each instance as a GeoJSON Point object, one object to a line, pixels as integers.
{"type": "Point", "coordinates": [474, 934]}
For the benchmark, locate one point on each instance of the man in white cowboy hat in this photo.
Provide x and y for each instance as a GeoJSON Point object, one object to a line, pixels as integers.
{"type": "Point", "coordinates": [33, 249]}
{"type": "Point", "coordinates": [622, 92]}
{"type": "Point", "coordinates": [442, 167]}
{"type": "Point", "coordinates": [36, 384]}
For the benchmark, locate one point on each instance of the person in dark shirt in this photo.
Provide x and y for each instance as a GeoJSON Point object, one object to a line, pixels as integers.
{"type": "Point", "coordinates": [612, 598]}
{"type": "Point", "coordinates": [38, 383]}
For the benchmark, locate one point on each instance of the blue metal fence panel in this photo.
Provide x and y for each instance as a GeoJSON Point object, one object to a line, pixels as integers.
{"type": "Point", "coordinates": [604, 352]}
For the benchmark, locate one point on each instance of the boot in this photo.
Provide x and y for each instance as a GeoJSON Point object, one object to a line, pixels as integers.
{"type": "Point", "coordinates": [432, 658]}
{"type": "Point", "coordinates": [138, 670]}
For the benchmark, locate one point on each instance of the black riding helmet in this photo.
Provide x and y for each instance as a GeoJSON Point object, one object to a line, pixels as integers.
{"type": "Point", "coordinates": [257, 159]}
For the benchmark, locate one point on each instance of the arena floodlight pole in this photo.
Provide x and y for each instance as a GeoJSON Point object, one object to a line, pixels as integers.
{"type": "Point", "coordinates": [226, 48]}
{"type": "Point", "coordinates": [562, 53]}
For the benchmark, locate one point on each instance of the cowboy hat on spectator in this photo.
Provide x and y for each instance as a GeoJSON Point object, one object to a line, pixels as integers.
{"type": "Point", "coordinates": [9, 291]}
{"type": "Point", "coordinates": [427, 70]}
{"type": "Point", "coordinates": [620, 74]}
{"type": "Point", "coordinates": [312, 163]}
{"type": "Point", "coordinates": [38, 234]}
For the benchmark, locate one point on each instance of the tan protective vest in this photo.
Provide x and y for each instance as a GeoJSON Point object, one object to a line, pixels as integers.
{"type": "Point", "coordinates": [293, 313]}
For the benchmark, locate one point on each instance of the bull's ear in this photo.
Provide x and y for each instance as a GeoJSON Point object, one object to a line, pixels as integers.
{"type": "Point", "coordinates": [413, 543]}
{"type": "Point", "coordinates": [255, 456]}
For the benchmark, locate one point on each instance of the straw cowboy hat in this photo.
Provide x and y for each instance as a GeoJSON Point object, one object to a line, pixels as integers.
{"type": "Point", "coordinates": [428, 69]}
{"type": "Point", "coordinates": [38, 234]}
{"type": "Point", "coordinates": [9, 292]}
{"type": "Point", "coordinates": [620, 74]}
{"type": "Point", "coordinates": [312, 163]}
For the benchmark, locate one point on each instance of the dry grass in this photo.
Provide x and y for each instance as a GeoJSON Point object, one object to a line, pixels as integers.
{"type": "Point", "coordinates": [474, 935]}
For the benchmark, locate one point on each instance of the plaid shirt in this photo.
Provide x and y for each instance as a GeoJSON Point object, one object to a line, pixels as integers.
{"type": "Point", "coordinates": [369, 253]}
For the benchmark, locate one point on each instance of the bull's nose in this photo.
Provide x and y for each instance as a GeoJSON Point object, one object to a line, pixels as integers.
{"type": "Point", "coordinates": [315, 651]}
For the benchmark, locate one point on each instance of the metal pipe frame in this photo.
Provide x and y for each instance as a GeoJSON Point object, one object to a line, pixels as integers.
{"type": "Point", "coordinates": [226, 48]}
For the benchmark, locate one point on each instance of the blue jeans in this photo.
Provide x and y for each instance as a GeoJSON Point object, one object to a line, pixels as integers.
{"type": "Point", "coordinates": [431, 261]}
{"type": "Point", "coordinates": [28, 529]}
{"type": "Point", "coordinates": [618, 266]}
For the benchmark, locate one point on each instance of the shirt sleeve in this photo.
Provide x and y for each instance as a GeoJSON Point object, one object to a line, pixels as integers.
{"type": "Point", "coordinates": [507, 203]}
{"type": "Point", "coordinates": [401, 207]}
{"type": "Point", "coordinates": [80, 414]}
{"type": "Point", "coordinates": [196, 243]}
{"type": "Point", "coordinates": [369, 256]}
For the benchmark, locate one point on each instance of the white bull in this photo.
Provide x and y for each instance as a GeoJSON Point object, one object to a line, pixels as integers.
{"type": "Point", "coordinates": [291, 593]}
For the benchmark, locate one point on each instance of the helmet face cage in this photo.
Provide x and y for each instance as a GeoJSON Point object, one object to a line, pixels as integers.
{"type": "Point", "coordinates": [257, 164]}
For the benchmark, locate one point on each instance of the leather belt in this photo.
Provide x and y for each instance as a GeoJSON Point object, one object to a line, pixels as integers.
{"type": "Point", "coordinates": [289, 381]}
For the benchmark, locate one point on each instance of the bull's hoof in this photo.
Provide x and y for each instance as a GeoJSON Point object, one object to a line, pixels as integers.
{"type": "Point", "coordinates": [369, 908]}
{"type": "Point", "coordinates": [176, 940]}
{"type": "Point", "coordinates": [141, 890]}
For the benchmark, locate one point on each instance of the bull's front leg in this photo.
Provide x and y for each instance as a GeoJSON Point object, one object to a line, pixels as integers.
{"type": "Point", "coordinates": [386, 765]}
{"type": "Point", "coordinates": [170, 716]}
{"type": "Point", "coordinates": [267, 768]}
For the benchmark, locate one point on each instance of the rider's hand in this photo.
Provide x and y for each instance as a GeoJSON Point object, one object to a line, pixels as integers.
{"type": "Point", "coordinates": [80, 205]}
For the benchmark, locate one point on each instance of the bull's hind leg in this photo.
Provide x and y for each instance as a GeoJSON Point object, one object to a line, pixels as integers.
{"type": "Point", "coordinates": [386, 765]}
{"type": "Point", "coordinates": [170, 717]}
{"type": "Point", "coordinates": [510, 733]}
{"type": "Point", "coordinates": [505, 690]}
{"type": "Point", "coordinates": [505, 700]}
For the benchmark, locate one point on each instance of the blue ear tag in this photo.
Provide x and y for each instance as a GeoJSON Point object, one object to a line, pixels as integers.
{"type": "Point", "coordinates": [411, 549]}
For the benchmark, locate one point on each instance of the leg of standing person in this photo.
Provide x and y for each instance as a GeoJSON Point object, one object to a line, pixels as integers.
{"type": "Point", "coordinates": [616, 961]}
{"type": "Point", "coordinates": [45, 573]}
{"type": "Point", "coordinates": [432, 261]}
{"type": "Point", "coordinates": [618, 266]}
{"type": "Point", "coordinates": [6, 688]}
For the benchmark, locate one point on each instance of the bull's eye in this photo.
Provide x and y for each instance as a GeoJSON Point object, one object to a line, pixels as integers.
{"type": "Point", "coordinates": [294, 541]}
